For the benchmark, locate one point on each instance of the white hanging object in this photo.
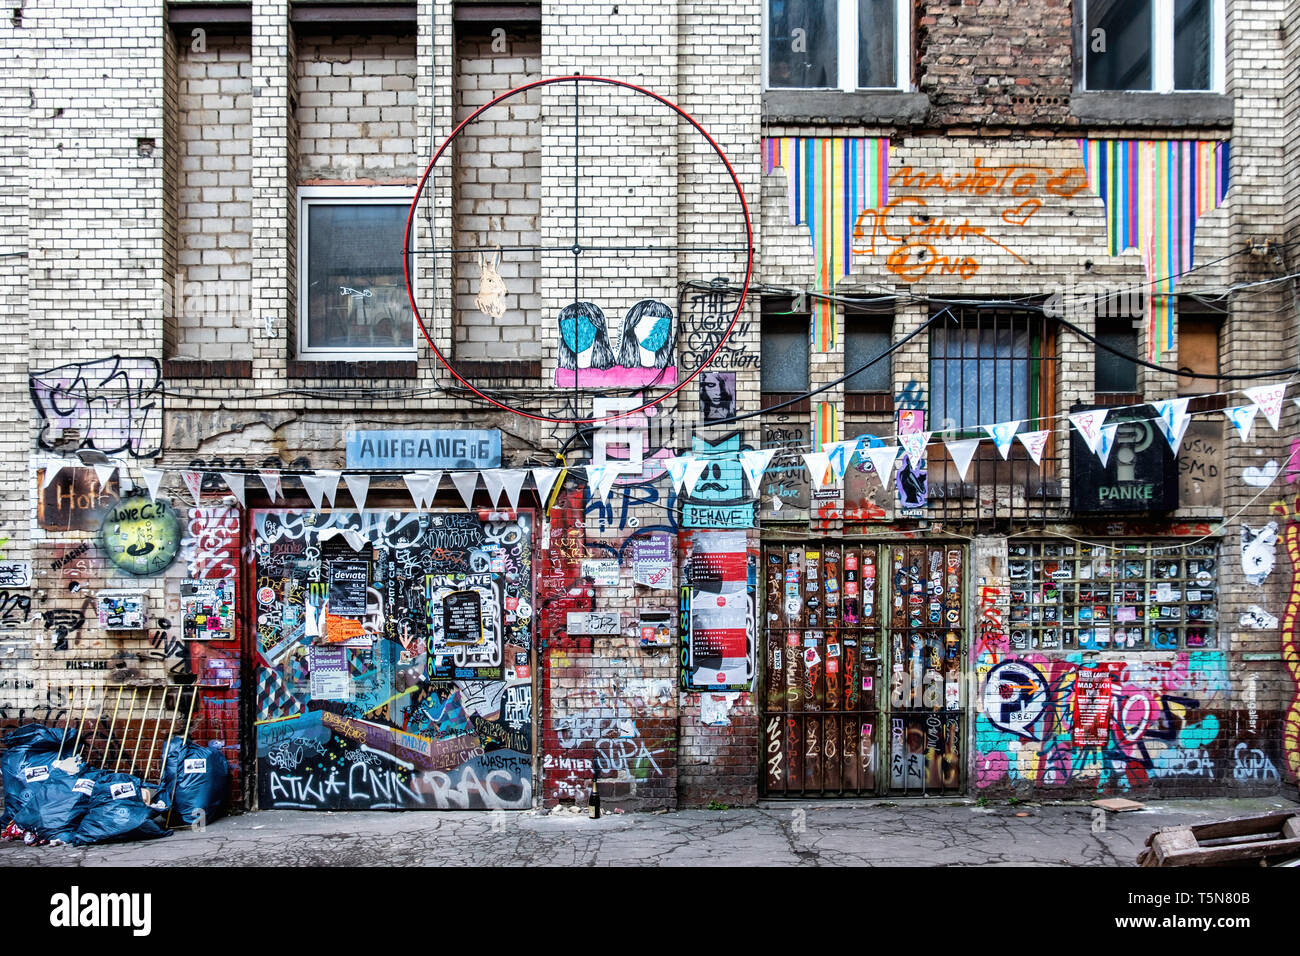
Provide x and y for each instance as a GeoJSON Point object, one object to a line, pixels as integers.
{"type": "Point", "coordinates": [152, 481]}
{"type": "Point", "coordinates": [1034, 443]}
{"type": "Point", "coordinates": [358, 488]}
{"type": "Point", "coordinates": [776, 502]}
{"type": "Point", "coordinates": [818, 463]}
{"type": "Point", "coordinates": [882, 459]}
{"type": "Point", "coordinates": [494, 485]}
{"type": "Point", "coordinates": [55, 465]}
{"type": "Point", "coordinates": [676, 468]}
{"type": "Point", "coordinates": [105, 474]}
{"type": "Point", "coordinates": [513, 479]}
{"type": "Point", "coordinates": [1242, 417]}
{"type": "Point", "coordinates": [544, 478]}
{"type": "Point", "coordinates": [961, 452]}
{"type": "Point", "coordinates": [314, 485]}
{"type": "Point", "coordinates": [601, 478]}
{"type": "Point", "coordinates": [330, 482]}
{"type": "Point", "coordinates": [1269, 400]}
{"type": "Point", "coordinates": [1172, 418]}
{"type": "Point", "coordinates": [1089, 426]}
{"type": "Point", "coordinates": [465, 482]}
{"type": "Point", "coordinates": [913, 446]}
{"type": "Point", "coordinates": [1003, 433]}
{"type": "Point", "coordinates": [694, 468]}
{"type": "Point", "coordinates": [839, 453]}
{"type": "Point", "coordinates": [753, 463]}
{"type": "Point", "coordinates": [271, 482]}
{"type": "Point", "coordinates": [194, 483]}
{"type": "Point", "coordinates": [235, 482]}
{"type": "Point", "coordinates": [423, 486]}
{"type": "Point", "coordinates": [1106, 442]}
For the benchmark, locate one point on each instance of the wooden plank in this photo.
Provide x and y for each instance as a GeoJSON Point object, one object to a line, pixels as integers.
{"type": "Point", "coordinates": [345, 14]}
{"type": "Point", "coordinates": [1118, 805]}
{"type": "Point", "coordinates": [1221, 856]}
{"type": "Point", "coordinates": [1236, 826]}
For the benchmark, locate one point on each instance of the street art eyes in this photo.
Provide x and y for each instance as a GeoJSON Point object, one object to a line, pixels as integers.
{"type": "Point", "coordinates": [645, 352]}
{"type": "Point", "coordinates": [584, 339]}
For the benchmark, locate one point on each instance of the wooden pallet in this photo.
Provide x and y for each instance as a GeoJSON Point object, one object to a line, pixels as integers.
{"type": "Point", "coordinates": [1259, 839]}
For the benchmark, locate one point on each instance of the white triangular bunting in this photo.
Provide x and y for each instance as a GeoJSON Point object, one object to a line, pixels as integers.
{"type": "Point", "coordinates": [1002, 434]}
{"type": "Point", "coordinates": [600, 479]}
{"type": "Point", "coordinates": [1034, 443]}
{"type": "Point", "coordinates": [1269, 399]}
{"type": "Point", "coordinates": [544, 478]}
{"type": "Point", "coordinates": [753, 463]}
{"type": "Point", "coordinates": [961, 453]}
{"type": "Point", "coordinates": [358, 488]}
{"type": "Point", "coordinates": [55, 465]}
{"type": "Point", "coordinates": [1089, 426]}
{"type": "Point", "coordinates": [882, 459]}
{"type": "Point", "coordinates": [913, 446]}
{"type": "Point", "coordinates": [194, 483]}
{"type": "Point", "coordinates": [314, 485]}
{"type": "Point", "coordinates": [423, 486]}
{"type": "Point", "coordinates": [1172, 419]}
{"type": "Point", "coordinates": [1242, 417]}
{"type": "Point", "coordinates": [465, 482]}
{"type": "Point", "coordinates": [152, 481]}
{"type": "Point", "coordinates": [235, 482]}
{"type": "Point", "coordinates": [105, 474]}
{"type": "Point", "coordinates": [513, 479]}
{"type": "Point", "coordinates": [839, 453]}
{"type": "Point", "coordinates": [330, 482]}
{"type": "Point", "coordinates": [694, 468]}
{"type": "Point", "coordinates": [676, 468]}
{"type": "Point", "coordinates": [1105, 442]}
{"type": "Point", "coordinates": [818, 462]}
{"type": "Point", "coordinates": [271, 482]}
{"type": "Point", "coordinates": [493, 483]}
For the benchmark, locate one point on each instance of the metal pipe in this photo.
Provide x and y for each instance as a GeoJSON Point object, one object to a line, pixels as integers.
{"type": "Point", "coordinates": [67, 724]}
{"type": "Point", "coordinates": [112, 723]}
{"type": "Point", "coordinates": [157, 722]}
{"type": "Point", "coordinates": [140, 736]}
{"type": "Point", "coordinates": [99, 717]}
{"type": "Point", "coordinates": [135, 694]}
{"type": "Point", "coordinates": [81, 724]}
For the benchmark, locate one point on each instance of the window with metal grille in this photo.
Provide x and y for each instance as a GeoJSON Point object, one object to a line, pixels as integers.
{"type": "Point", "coordinates": [783, 374]}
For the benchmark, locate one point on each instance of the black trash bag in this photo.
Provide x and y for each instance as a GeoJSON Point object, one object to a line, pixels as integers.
{"type": "Point", "coordinates": [117, 811]}
{"type": "Point", "coordinates": [53, 808]}
{"type": "Point", "coordinates": [30, 752]}
{"type": "Point", "coordinates": [195, 781]}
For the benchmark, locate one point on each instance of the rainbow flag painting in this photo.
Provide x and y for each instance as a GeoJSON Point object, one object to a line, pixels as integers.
{"type": "Point", "coordinates": [831, 180]}
{"type": "Point", "coordinates": [1154, 191]}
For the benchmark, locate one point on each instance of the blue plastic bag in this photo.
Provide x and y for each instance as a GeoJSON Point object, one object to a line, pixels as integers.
{"type": "Point", "coordinates": [117, 811]}
{"type": "Point", "coordinates": [195, 781]}
{"type": "Point", "coordinates": [30, 752]}
{"type": "Point", "coordinates": [53, 808]}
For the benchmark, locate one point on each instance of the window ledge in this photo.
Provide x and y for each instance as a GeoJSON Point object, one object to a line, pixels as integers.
{"type": "Point", "coordinates": [836, 106]}
{"type": "Point", "coordinates": [1152, 109]}
{"type": "Point", "coordinates": [298, 368]}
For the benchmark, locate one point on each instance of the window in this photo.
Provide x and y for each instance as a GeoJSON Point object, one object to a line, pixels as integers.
{"type": "Point", "coordinates": [991, 365]}
{"type": "Point", "coordinates": [1198, 348]}
{"type": "Point", "coordinates": [1159, 46]}
{"type": "Point", "coordinates": [837, 44]}
{"type": "Point", "coordinates": [352, 300]}
{"type": "Point", "coordinates": [784, 354]}
{"type": "Point", "coordinates": [1116, 374]}
{"type": "Point", "coordinates": [867, 336]}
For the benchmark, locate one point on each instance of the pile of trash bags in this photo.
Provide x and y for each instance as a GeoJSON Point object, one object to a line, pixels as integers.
{"type": "Point", "coordinates": [53, 800]}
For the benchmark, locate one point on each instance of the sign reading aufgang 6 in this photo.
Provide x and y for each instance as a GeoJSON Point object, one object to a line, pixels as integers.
{"type": "Point", "coordinates": [456, 448]}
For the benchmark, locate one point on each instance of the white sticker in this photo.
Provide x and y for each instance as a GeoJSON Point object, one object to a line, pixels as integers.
{"type": "Point", "coordinates": [120, 790]}
{"type": "Point", "coordinates": [196, 765]}
{"type": "Point", "coordinates": [36, 774]}
{"type": "Point", "coordinates": [84, 785]}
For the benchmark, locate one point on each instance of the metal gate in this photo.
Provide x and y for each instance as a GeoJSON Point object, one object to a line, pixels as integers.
{"type": "Point", "coordinates": [863, 661]}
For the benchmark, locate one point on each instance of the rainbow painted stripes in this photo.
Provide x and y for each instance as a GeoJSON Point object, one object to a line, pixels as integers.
{"type": "Point", "coordinates": [831, 181]}
{"type": "Point", "coordinates": [1154, 191]}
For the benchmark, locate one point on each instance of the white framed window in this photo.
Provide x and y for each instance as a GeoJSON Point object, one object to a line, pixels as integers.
{"type": "Point", "coordinates": [844, 45]}
{"type": "Point", "coordinates": [1156, 46]}
{"type": "Point", "coordinates": [352, 301]}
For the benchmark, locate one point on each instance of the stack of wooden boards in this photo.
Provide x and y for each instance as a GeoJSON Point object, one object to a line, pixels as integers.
{"type": "Point", "coordinates": [1268, 839]}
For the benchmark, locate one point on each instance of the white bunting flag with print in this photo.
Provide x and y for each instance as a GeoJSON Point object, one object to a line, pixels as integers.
{"type": "Point", "coordinates": [913, 446]}
{"type": "Point", "coordinates": [601, 478]}
{"type": "Point", "coordinates": [694, 468]}
{"type": "Point", "coordinates": [494, 485]}
{"type": "Point", "coordinates": [753, 463]}
{"type": "Point", "coordinates": [1242, 417]}
{"type": "Point", "coordinates": [1106, 442]}
{"type": "Point", "coordinates": [882, 459]}
{"type": "Point", "coordinates": [330, 482]}
{"type": "Point", "coordinates": [818, 463]}
{"type": "Point", "coordinates": [840, 454]}
{"type": "Point", "coordinates": [314, 485]}
{"type": "Point", "coordinates": [55, 465]}
{"type": "Point", "coordinates": [235, 482]}
{"type": "Point", "coordinates": [513, 480]}
{"type": "Point", "coordinates": [544, 478]}
{"type": "Point", "coordinates": [193, 482]}
{"type": "Point", "coordinates": [1172, 419]}
{"type": "Point", "coordinates": [1269, 399]}
{"type": "Point", "coordinates": [105, 474]}
{"type": "Point", "coordinates": [271, 482]}
{"type": "Point", "coordinates": [676, 468]}
{"type": "Point", "coordinates": [358, 488]}
{"type": "Point", "coordinates": [1089, 426]}
{"type": "Point", "coordinates": [1003, 433]}
{"type": "Point", "coordinates": [961, 453]}
{"type": "Point", "coordinates": [1034, 443]}
{"type": "Point", "coordinates": [465, 482]}
{"type": "Point", "coordinates": [152, 481]}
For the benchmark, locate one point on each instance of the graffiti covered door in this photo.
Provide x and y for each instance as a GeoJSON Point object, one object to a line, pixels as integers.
{"type": "Point", "coordinates": [863, 650]}
{"type": "Point", "coordinates": [395, 654]}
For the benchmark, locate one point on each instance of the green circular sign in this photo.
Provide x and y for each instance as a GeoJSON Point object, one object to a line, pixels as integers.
{"type": "Point", "coordinates": [141, 536]}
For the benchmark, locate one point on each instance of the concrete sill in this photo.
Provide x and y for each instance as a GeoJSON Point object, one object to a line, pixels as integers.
{"type": "Point", "coordinates": [889, 107]}
{"type": "Point", "coordinates": [1152, 109]}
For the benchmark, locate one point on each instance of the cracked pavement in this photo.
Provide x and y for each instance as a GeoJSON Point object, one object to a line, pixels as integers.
{"type": "Point", "coordinates": [777, 833]}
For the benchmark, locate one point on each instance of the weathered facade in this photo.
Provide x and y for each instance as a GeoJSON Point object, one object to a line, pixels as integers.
{"type": "Point", "coordinates": [392, 592]}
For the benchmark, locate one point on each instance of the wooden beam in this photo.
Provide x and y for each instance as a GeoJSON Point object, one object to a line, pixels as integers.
{"type": "Point", "coordinates": [230, 16]}
{"type": "Point", "coordinates": [349, 14]}
{"type": "Point", "coordinates": [497, 13]}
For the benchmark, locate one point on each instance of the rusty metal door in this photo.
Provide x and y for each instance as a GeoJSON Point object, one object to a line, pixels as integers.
{"type": "Point", "coordinates": [856, 668]}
